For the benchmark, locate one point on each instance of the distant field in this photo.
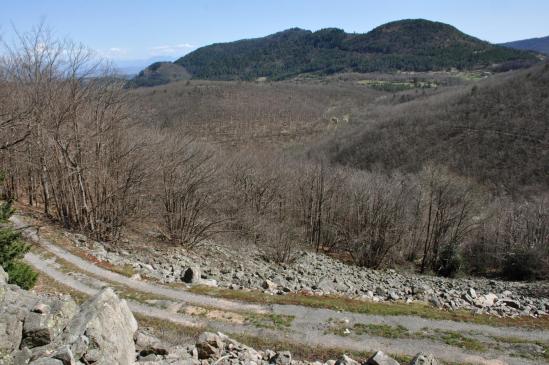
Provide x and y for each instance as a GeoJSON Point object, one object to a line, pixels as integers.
{"type": "Point", "coordinates": [395, 86]}
{"type": "Point", "coordinates": [234, 113]}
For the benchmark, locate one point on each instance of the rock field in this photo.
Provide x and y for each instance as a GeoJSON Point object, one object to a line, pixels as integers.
{"type": "Point", "coordinates": [319, 274]}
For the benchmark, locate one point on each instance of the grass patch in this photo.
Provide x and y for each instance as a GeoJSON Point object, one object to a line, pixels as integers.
{"type": "Point", "coordinates": [456, 339]}
{"type": "Point", "coordinates": [173, 333]}
{"type": "Point", "coordinates": [422, 310]}
{"type": "Point", "coordinates": [126, 270]}
{"type": "Point", "coordinates": [45, 284]}
{"type": "Point", "coordinates": [525, 353]}
{"type": "Point", "coordinates": [396, 86]}
{"type": "Point", "coordinates": [269, 320]}
{"type": "Point", "coordinates": [381, 330]}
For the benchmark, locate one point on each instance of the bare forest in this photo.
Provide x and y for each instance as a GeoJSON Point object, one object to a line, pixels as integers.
{"type": "Point", "coordinates": [283, 166]}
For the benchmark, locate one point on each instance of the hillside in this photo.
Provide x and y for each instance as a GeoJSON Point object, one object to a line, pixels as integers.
{"type": "Point", "coordinates": [159, 73]}
{"type": "Point", "coordinates": [495, 132]}
{"type": "Point", "coordinates": [406, 45]}
{"type": "Point", "coordinates": [533, 44]}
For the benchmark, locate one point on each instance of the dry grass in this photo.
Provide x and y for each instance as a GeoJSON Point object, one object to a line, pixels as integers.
{"type": "Point", "coordinates": [173, 333]}
{"type": "Point", "coordinates": [45, 284]}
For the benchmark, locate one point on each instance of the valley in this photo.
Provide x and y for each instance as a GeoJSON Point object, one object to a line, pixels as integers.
{"type": "Point", "coordinates": [307, 197]}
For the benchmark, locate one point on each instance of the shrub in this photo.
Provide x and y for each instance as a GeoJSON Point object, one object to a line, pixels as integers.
{"type": "Point", "coordinates": [21, 274]}
{"type": "Point", "coordinates": [12, 251]}
{"type": "Point", "coordinates": [450, 261]}
{"type": "Point", "coordinates": [523, 265]}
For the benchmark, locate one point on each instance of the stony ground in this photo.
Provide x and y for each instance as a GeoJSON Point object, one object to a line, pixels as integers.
{"type": "Point", "coordinates": [449, 340]}
{"type": "Point", "coordinates": [54, 330]}
{"type": "Point", "coordinates": [319, 274]}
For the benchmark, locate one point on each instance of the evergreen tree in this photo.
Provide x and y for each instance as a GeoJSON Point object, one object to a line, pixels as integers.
{"type": "Point", "coordinates": [12, 250]}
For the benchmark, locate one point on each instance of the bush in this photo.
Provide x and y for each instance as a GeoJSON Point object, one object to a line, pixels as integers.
{"type": "Point", "coordinates": [12, 251]}
{"type": "Point", "coordinates": [450, 261]}
{"type": "Point", "coordinates": [21, 274]}
{"type": "Point", "coordinates": [523, 265]}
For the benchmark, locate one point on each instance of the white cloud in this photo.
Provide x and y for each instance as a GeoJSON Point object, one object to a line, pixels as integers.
{"type": "Point", "coordinates": [167, 50]}
{"type": "Point", "coordinates": [113, 52]}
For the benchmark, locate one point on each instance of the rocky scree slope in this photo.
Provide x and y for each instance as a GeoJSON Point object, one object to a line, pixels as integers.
{"type": "Point", "coordinates": [318, 274]}
{"type": "Point", "coordinates": [54, 330]}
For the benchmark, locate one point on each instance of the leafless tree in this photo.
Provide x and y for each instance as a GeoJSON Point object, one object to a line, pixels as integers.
{"type": "Point", "coordinates": [187, 171]}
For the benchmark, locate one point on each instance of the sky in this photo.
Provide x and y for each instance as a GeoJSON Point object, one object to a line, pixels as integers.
{"type": "Point", "coordinates": [126, 30]}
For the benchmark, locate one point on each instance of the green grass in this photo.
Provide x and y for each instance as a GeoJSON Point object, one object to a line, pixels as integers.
{"type": "Point", "coordinates": [422, 310]}
{"type": "Point", "coordinates": [126, 270]}
{"type": "Point", "coordinates": [456, 339]}
{"type": "Point", "coordinates": [381, 330]}
{"type": "Point", "coordinates": [396, 86]}
{"type": "Point", "coordinates": [525, 353]}
{"type": "Point", "coordinates": [269, 320]}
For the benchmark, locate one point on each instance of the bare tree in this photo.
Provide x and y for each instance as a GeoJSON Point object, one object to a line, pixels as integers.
{"type": "Point", "coordinates": [371, 221]}
{"type": "Point", "coordinates": [78, 155]}
{"type": "Point", "coordinates": [444, 209]}
{"type": "Point", "coordinates": [187, 170]}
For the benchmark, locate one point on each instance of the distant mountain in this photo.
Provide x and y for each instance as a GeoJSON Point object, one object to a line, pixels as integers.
{"type": "Point", "coordinates": [533, 44]}
{"type": "Point", "coordinates": [407, 45]}
{"type": "Point", "coordinates": [159, 73]}
{"type": "Point", "coordinates": [132, 67]}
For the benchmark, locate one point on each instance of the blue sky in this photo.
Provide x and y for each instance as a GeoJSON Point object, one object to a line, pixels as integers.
{"type": "Point", "coordinates": [139, 29]}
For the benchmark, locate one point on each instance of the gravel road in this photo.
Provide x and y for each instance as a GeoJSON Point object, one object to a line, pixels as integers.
{"type": "Point", "coordinates": [309, 324]}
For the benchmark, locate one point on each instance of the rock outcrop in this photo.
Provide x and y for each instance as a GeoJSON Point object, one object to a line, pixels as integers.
{"type": "Point", "coordinates": [52, 329]}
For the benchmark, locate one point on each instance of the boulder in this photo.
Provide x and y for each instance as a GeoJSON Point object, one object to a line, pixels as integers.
{"type": "Point", "coordinates": [41, 308]}
{"type": "Point", "coordinates": [380, 358]}
{"type": "Point", "coordinates": [105, 323]}
{"type": "Point", "coordinates": [269, 285]}
{"type": "Point", "coordinates": [346, 360]}
{"type": "Point", "coordinates": [10, 333]}
{"type": "Point", "coordinates": [64, 354]}
{"type": "Point", "coordinates": [154, 348]}
{"type": "Point", "coordinates": [281, 358]}
{"type": "Point", "coordinates": [37, 330]}
{"type": "Point", "coordinates": [424, 359]}
{"type": "Point", "coordinates": [487, 300]}
{"type": "Point", "coordinates": [209, 345]}
{"type": "Point", "coordinates": [22, 357]}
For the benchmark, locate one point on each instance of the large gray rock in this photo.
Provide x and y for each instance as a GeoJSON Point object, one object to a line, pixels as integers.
{"type": "Point", "coordinates": [46, 321]}
{"type": "Point", "coordinates": [424, 359]}
{"type": "Point", "coordinates": [10, 334]}
{"type": "Point", "coordinates": [64, 354]}
{"type": "Point", "coordinates": [108, 325]}
{"type": "Point", "coordinates": [346, 360]}
{"type": "Point", "coordinates": [147, 345]}
{"type": "Point", "coordinates": [281, 358]}
{"type": "Point", "coordinates": [209, 345]}
{"type": "Point", "coordinates": [380, 358]}
{"type": "Point", "coordinates": [37, 330]}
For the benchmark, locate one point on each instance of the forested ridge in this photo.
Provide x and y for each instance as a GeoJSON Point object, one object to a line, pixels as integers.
{"type": "Point", "coordinates": [406, 45]}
